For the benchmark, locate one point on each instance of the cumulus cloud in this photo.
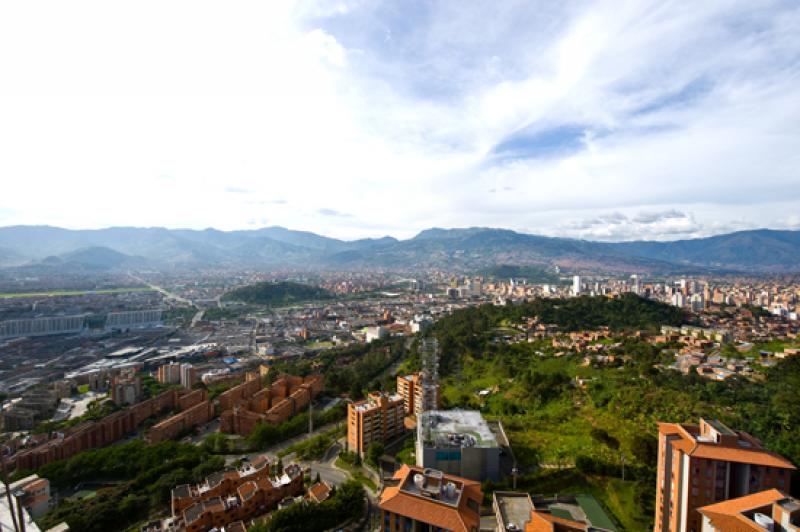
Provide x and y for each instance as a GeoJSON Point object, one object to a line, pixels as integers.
{"type": "Point", "coordinates": [681, 118]}
{"type": "Point", "coordinates": [670, 224]}
{"type": "Point", "coordinates": [334, 213]}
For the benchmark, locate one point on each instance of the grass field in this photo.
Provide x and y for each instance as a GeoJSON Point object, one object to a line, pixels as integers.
{"type": "Point", "coordinates": [64, 293]}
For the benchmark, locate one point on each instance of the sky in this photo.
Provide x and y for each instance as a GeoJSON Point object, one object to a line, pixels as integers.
{"type": "Point", "coordinates": [621, 120]}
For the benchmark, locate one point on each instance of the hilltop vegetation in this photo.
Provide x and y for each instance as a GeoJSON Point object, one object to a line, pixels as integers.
{"type": "Point", "coordinates": [582, 434]}
{"type": "Point", "coordinates": [139, 477]}
{"type": "Point", "coordinates": [471, 330]}
{"type": "Point", "coordinates": [277, 294]}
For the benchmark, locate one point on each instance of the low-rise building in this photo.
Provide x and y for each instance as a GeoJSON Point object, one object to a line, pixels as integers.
{"type": "Point", "coordinates": [427, 499]}
{"type": "Point", "coordinates": [458, 442]}
{"type": "Point", "coordinates": [766, 510]}
{"type": "Point", "coordinates": [229, 497]}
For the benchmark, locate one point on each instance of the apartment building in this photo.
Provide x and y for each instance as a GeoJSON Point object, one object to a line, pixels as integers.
{"type": "Point", "coordinates": [766, 510]}
{"type": "Point", "coordinates": [94, 434]}
{"type": "Point", "coordinates": [195, 408]}
{"type": "Point", "coordinates": [126, 389]}
{"type": "Point", "coordinates": [229, 497]}
{"type": "Point", "coordinates": [379, 418]}
{"type": "Point", "coordinates": [416, 397]}
{"type": "Point", "coordinates": [219, 483]}
{"type": "Point", "coordinates": [707, 463]}
{"type": "Point", "coordinates": [427, 499]}
{"type": "Point", "coordinates": [169, 373]}
{"type": "Point", "coordinates": [249, 403]}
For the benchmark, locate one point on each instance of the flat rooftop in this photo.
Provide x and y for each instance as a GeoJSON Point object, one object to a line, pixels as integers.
{"type": "Point", "coordinates": [433, 485]}
{"type": "Point", "coordinates": [456, 428]}
{"type": "Point", "coordinates": [514, 509]}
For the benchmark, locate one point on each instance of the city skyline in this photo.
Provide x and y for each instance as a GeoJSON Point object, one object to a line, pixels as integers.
{"type": "Point", "coordinates": [646, 121]}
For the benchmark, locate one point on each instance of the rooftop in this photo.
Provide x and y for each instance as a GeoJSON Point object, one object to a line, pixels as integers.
{"type": "Point", "coordinates": [514, 509]}
{"type": "Point", "coordinates": [456, 428]}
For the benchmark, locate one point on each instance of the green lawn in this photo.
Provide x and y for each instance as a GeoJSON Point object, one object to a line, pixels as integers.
{"type": "Point", "coordinates": [357, 474]}
{"type": "Point", "coordinates": [62, 293]}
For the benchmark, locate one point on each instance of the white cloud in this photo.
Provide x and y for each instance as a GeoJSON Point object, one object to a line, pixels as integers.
{"type": "Point", "coordinates": [145, 114]}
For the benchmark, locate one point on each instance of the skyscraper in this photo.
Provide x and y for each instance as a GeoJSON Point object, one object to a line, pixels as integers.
{"type": "Point", "coordinates": [576, 285]}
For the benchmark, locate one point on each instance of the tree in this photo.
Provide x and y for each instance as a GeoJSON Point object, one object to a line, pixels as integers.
{"type": "Point", "coordinates": [645, 448]}
{"type": "Point", "coordinates": [374, 453]}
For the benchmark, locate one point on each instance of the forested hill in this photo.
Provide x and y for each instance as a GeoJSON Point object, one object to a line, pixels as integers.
{"type": "Point", "coordinates": [277, 294]}
{"type": "Point", "coordinates": [469, 330]}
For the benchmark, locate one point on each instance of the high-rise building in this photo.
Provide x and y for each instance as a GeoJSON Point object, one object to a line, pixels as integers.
{"type": "Point", "coordinates": [413, 393]}
{"type": "Point", "coordinates": [126, 389]}
{"type": "Point", "coordinates": [576, 285]}
{"type": "Point", "coordinates": [709, 463]}
{"type": "Point", "coordinates": [169, 374]}
{"type": "Point", "coordinates": [379, 418]}
{"type": "Point", "coordinates": [427, 499]}
{"type": "Point", "coordinates": [636, 284]}
{"type": "Point", "coordinates": [189, 375]}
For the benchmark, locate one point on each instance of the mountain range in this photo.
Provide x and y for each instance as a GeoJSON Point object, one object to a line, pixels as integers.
{"type": "Point", "coordinates": [46, 248]}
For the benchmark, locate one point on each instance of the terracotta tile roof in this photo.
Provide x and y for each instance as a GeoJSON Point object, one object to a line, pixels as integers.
{"type": "Point", "coordinates": [319, 491]}
{"type": "Point", "coordinates": [544, 522]}
{"type": "Point", "coordinates": [748, 456]}
{"type": "Point", "coordinates": [728, 515]}
{"type": "Point", "coordinates": [691, 445]}
{"type": "Point", "coordinates": [436, 513]}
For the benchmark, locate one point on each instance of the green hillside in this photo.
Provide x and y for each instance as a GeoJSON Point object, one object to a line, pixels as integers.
{"type": "Point", "coordinates": [277, 294]}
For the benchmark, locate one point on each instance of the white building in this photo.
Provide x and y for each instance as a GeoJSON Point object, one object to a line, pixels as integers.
{"type": "Point", "coordinates": [376, 333]}
{"type": "Point", "coordinates": [576, 285]}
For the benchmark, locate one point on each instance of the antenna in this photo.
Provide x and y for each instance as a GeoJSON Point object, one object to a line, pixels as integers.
{"type": "Point", "coordinates": [429, 353]}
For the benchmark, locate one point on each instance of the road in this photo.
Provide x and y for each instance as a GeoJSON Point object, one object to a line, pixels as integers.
{"type": "Point", "coordinates": [164, 292]}
{"type": "Point", "coordinates": [197, 317]}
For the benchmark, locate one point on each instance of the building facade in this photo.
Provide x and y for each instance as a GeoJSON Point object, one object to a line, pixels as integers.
{"type": "Point", "coordinates": [707, 463]}
{"type": "Point", "coordinates": [379, 418]}
{"type": "Point", "coordinates": [417, 396]}
{"type": "Point", "coordinates": [458, 442]}
{"type": "Point", "coordinates": [249, 403]}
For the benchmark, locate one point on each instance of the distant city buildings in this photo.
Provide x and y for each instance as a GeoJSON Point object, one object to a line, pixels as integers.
{"type": "Point", "coordinates": [709, 463]}
{"type": "Point", "coordinates": [576, 285]}
{"type": "Point", "coordinates": [126, 388]}
{"type": "Point", "coordinates": [42, 326]}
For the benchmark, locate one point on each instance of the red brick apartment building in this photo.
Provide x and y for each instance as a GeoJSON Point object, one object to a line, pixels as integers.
{"type": "Point", "coordinates": [195, 408]}
{"type": "Point", "coordinates": [709, 463]}
{"type": "Point", "coordinates": [249, 403]}
{"type": "Point", "coordinates": [94, 434]}
{"type": "Point", "coordinates": [379, 418]}
{"type": "Point", "coordinates": [220, 483]}
{"type": "Point", "coordinates": [766, 510]}
{"type": "Point", "coordinates": [229, 497]}
{"type": "Point", "coordinates": [427, 499]}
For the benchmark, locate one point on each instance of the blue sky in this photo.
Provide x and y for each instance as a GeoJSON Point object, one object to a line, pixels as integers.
{"type": "Point", "coordinates": [604, 120]}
